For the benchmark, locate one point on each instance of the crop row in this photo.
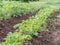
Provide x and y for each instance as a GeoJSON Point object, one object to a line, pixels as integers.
{"type": "Point", "coordinates": [28, 28]}
{"type": "Point", "coordinates": [13, 8]}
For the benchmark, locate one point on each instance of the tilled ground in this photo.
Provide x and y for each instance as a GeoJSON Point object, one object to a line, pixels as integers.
{"type": "Point", "coordinates": [52, 36]}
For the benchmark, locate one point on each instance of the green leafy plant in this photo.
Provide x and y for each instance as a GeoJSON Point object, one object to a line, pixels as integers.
{"type": "Point", "coordinates": [13, 8]}
{"type": "Point", "coordinates": [28, 28]}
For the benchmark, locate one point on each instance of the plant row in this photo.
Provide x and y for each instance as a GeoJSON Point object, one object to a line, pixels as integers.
{"type": "Point", "coordinates": [13, 8]}
{"type": "Point", "coordinates": [28, 28]}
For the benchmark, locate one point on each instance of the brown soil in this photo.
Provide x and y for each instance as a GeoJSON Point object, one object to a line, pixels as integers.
{"type": "Point", "coordinates": [6, 26]}
{"type": "Point", "coordinates": [52, 36]}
